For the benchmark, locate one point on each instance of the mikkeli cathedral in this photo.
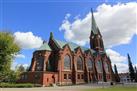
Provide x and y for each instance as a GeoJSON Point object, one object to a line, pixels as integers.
{"type": "Point", "coordinates": [63, 63]}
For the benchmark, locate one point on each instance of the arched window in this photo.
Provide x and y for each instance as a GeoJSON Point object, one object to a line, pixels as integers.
{"type": "Point", "coordinates": [106, 67]}
{"type": "Point", "coordinates": [67, 62]}
{"type": "Point", "coordinates": [99, 66]}
{"type": "Point", "coordinates": [79, 63]}
{"type": "Point", "coordinates": [39, 63]}
{"type": "Point", "coordinates": [90, 65]}
{"type": "Point", "coordinates": [48, 66]}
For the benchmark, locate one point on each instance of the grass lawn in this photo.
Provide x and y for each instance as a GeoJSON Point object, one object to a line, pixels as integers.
{"type": "Point", "coordinates": [114, 89]}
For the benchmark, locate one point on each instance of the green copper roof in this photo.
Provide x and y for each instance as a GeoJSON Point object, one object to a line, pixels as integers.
{"type": "Point", "coordinates": [61, 44]}
{"type": "Point", "coordinates": [44, 46]}
{"type": "Point", "coordinates": [92, 51]}
{"type": "Point", "coordinates": [84, 48]}
{"type": "Point", "coordinates": [72, 46]}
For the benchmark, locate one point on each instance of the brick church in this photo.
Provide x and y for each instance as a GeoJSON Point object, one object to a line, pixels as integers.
{"type": "Point", "coordinates": [63, 63]}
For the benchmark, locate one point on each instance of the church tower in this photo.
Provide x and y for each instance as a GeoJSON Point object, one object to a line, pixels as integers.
{"type": "Point", "coordinates": [96, 41]}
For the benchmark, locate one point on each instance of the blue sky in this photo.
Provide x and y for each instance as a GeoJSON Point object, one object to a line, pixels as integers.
{"type": "Point", "coordinates": [41, 17]}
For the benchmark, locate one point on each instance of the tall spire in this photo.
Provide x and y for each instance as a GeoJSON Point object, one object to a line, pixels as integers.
{"type": "Point", "coordinates": [94, 26]}
{"type": "Point", "coordinates": [91, 17]}
{"type": "Point", "coordinates": [96, 41]}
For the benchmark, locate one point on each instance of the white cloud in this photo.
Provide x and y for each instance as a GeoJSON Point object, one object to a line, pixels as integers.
{"type": "Point", "coordinates": [67, 16]}
{"type": "Point", "coordinates": [117, 24]}
{"type": "Point", "coordinates": [19, 56]}
{"type": "Point", "coordinates": [115, 56]}
{"type": "Point", "coordinates": [27, 40]}
{"type": "Point", "coordinates": [118, 59]}
{"type": "Point", "coordinates": [122, 68]}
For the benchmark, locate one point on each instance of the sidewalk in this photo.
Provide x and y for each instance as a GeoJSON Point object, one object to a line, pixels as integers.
{"type": "Point", "coordinates": [65, 88]}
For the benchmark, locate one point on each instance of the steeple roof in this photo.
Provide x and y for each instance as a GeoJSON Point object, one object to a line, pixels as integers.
{"type": "Point", "coordinates": [51, 35]}
{"type": "Point", "coordinates": [94, 27]}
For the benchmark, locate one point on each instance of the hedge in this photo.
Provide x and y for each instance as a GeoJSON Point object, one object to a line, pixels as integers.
{"type": "Point", "coordinates": [18, 85]}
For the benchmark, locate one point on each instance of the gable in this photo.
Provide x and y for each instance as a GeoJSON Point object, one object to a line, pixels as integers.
{"type": "Point", "coordinates": [79, 51]}
{"type": "Point", "coordinates": [67, 49]}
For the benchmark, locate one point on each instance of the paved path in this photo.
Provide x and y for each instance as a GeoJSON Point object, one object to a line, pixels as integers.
{"type": "Point", "coordinates": [56, 88]}
{"type": "Point", "coordinates": [36, 89]}
{"type": "Point", "coordinates": [64, 88]}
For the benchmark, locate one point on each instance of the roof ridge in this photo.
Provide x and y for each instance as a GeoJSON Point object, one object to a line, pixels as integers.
{"type": "Point", "coordinates": [72, 44]}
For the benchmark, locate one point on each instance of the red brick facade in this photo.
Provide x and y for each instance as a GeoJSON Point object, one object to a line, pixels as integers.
{"type": "Point", "coordinates": [64, 63]}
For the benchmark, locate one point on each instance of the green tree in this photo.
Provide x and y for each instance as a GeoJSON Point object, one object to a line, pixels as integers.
{"type": "Point", "coordinates": [8, 48]}
{"type": "Point", "coordinates": [12, 77]}
{"type": "Point", "coordinates": [21, 68]}
{"type": "Point", "coordinates": [131, 69]}
{"type": "Point", "coordinates": [27, 69]}
{"type": "Point", "coordinates": [135, 74]}
{"type": "Point", "coordinates": [117, 79]}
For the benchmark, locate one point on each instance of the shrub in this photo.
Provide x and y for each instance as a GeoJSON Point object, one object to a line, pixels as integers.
{"type": "Point", "coordinates": [18, 85]}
